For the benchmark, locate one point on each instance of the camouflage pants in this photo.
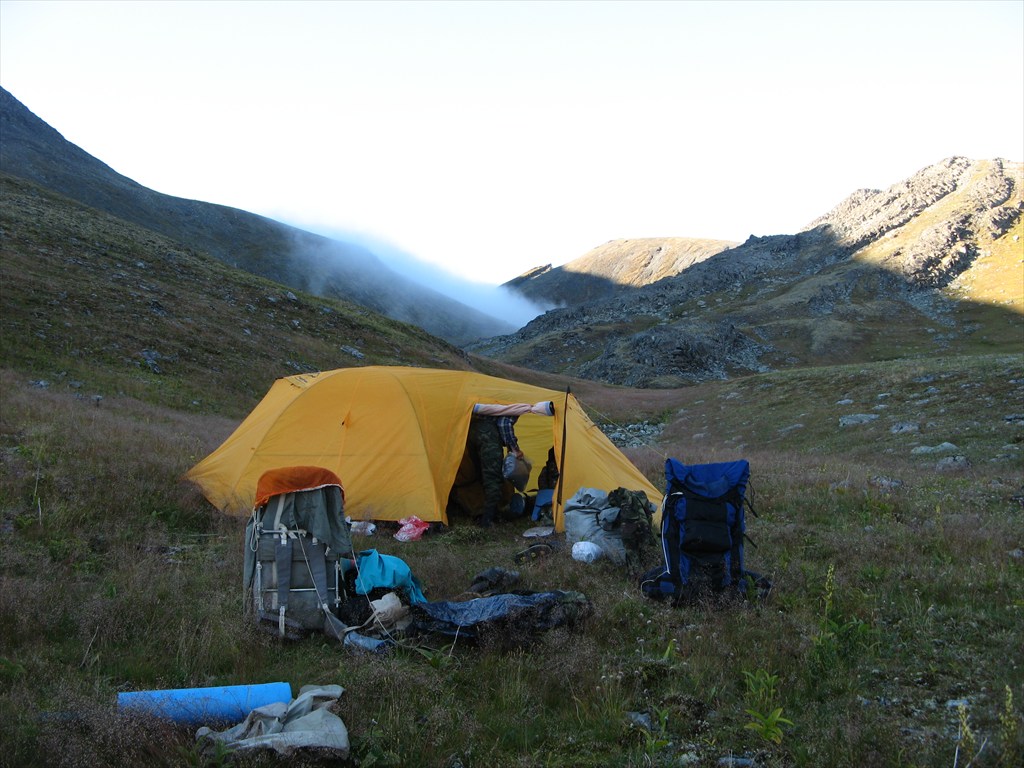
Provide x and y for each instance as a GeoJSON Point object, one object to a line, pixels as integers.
{"type": "Point", "coordinates": [488, 454]}
{"type": "Point", "coordinates": [637, 533]}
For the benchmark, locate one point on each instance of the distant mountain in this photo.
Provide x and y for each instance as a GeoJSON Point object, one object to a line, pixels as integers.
{"type": "Point", "coordinates": [931, 265]}
{"type": "Point", "coordinates": [604, 271]}
{"type": "Point", "coordinates": [31, 149]}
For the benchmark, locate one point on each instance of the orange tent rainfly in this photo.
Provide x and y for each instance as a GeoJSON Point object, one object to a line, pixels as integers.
{"type": "Point", "coordinates": [395, 437]}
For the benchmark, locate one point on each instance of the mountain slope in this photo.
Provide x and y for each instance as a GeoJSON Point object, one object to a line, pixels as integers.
{"type": "Point", "coordinates": [931, 264]}
{"type": "Point", "coordinates": [33, 150]}
{"type": "Point", "coordinates": [107, 307]}
{"type": "Point", "coordinates": [603, 271]}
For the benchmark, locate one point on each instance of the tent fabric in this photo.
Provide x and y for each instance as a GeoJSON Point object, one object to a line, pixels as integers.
{"type": "Point", "coordinates": [305, 723]}
{"type": "Point", "coordinates": [396, 437]}
{"type": "Point", "coordinates": [280, 480]}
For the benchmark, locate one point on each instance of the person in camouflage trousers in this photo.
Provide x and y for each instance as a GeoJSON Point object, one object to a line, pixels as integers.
{"type": "Point", "coordinates": [488, 438]}
{"type": "Point", "coordinates": [635, 516]}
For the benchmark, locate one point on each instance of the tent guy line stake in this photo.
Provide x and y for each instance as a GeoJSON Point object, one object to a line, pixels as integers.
{"type": "Point", "coordinates": [35, 492]}
{"type": "Point", "coordinates": [458, 628]}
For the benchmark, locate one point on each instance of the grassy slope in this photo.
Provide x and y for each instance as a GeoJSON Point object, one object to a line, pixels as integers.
{"type": "Point", "coordinates": [116, 576]}
{"type": "Point", "coordinates": [86, 297]}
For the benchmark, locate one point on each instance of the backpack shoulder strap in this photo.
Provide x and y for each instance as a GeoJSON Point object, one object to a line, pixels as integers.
{"type": "Point", "coordinates": [282, 564]}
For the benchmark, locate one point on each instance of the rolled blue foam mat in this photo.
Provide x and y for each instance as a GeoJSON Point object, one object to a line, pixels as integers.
{"type": "Point", "coordinates": [205, 705]}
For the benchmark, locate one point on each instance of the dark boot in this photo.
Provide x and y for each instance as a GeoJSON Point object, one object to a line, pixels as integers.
{"type": "Point", "coordinates": [487, 518]}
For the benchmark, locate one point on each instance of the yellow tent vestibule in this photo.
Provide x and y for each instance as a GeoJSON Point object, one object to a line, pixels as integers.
{"type": "Point", "coordinates": [396, 437]}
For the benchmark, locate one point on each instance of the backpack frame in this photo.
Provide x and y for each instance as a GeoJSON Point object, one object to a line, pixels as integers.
{"type": "Point", "coordinates": [297, 545]}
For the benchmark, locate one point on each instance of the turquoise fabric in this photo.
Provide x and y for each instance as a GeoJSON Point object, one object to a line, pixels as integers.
{"type": "Point", "coordinates": [387, 571]}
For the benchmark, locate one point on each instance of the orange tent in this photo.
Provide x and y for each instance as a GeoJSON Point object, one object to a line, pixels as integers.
{"type": "Point", "coordinates": [396, 437]}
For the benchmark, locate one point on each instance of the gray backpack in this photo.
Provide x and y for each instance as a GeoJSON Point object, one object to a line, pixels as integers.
{"type": "Point", "coordinates": [297, 547]}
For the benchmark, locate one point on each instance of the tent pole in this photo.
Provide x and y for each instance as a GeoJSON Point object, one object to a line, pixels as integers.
{"type": "Point", "coordinates": [561, 458]}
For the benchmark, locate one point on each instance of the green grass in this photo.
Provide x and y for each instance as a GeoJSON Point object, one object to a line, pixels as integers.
{"type": "Point", "coordinates": [897, 585]}
{"type": "Point", "coordinates": [888, 604]}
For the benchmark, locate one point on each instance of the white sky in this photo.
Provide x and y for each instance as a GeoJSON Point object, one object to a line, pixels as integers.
{"type": "Point", "coordinates": [492, 137]}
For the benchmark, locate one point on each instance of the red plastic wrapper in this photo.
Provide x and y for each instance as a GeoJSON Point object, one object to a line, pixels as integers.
{"type": "Point", "coordinates": [412, 529]}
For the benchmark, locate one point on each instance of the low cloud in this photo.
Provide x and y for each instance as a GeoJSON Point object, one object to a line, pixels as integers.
{"type": "Point", "coordinates": [492, 300]}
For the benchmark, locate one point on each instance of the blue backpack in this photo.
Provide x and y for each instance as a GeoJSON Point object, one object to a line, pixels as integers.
{"type": "Point", "coordinates": [703, 526]}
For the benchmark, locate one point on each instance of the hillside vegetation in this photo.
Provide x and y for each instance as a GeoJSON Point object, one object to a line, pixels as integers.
{"type": "Point", "coordinates": [890, 516]}
{"type": "Point", "coordinates": [301, 260]}
{"type": "Point", "coordinates": [106, 307]}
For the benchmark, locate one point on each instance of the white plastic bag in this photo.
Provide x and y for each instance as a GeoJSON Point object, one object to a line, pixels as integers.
{"type": "Point", "coordinates": [584, 515]}
{"type": "Point", "coordinates": [586, 551]}
{"type": "Point", "coordinates": [390, 612]}
{"type": "Point", "coordinates": [361, 527]}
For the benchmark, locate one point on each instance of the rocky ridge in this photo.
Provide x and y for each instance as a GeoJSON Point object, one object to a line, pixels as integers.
{"type": "Point", "coordinates": [875, 263]}
{"type": "Point", "coordinates": [605, 270]}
